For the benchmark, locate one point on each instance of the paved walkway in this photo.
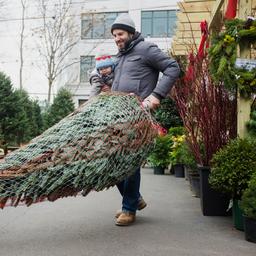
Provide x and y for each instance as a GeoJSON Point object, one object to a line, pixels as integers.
{"type": "Point", "coordinates": [172, 224]}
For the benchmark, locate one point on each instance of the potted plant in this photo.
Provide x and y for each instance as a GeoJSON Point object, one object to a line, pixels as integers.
{"type": "Point", "coordinates": [159, 157]}
{"type": "Point", "coordinates": [232, 168]}
{"type": "Point", "coordinates": [167, 114]}
{"type": "Point", "coordinates": [248, 205]}
{"type": "Point", "coordinates": [191, 173]}
{"type": "Point", "coordinates": [208, 112]}
{"type": "Point", "coordinates": [176, 154]}
{"type": "Point", "coordinates": [177, 138]}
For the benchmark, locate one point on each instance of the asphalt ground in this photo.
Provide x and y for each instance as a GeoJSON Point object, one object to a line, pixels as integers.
{"type": "Point", "coordinates": [171, 224]}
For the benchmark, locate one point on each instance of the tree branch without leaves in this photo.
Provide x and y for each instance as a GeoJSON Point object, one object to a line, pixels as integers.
{"type": "Point", "coordinates": [58, 36]}
{"type": "Point", "coordinates": [24, 6]}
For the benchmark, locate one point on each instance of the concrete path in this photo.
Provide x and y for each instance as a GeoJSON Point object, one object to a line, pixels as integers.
{"type": "Point", "coordinates": [172, 224]}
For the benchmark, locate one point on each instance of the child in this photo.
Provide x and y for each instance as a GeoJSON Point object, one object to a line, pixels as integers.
{"type": "Point", "coordinates": [102, 77]}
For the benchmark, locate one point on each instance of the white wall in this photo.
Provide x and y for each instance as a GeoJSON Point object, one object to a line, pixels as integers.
{"type": "Point", "coordinates": [91, 47]}
{"type": "Point", "coordinates": [35, 81]}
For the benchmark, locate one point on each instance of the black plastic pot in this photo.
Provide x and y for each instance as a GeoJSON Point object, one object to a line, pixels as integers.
{"type": "Point", "coordinates": [159, 170]}
{"type": "Point", "coordinates": [172, 169]}
{"type": "Point", "coordinates": [194, 180]}
{"type": "Point", "coordinates": [179, 170]}
{"type": "Point", "coordinates": [213, 203]}
{"type": "Point", "coordinates": [237, 214]}
{"type": "Point", "coordinates": [186, 170]}
{"type": "Point", "coordinates": [250, 229]}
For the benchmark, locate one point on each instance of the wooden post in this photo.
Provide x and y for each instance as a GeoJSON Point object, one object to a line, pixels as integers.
{"type": "Point", "coordinates": [216, 17]}
{"type": "Point", "coordinates": [243, 105]}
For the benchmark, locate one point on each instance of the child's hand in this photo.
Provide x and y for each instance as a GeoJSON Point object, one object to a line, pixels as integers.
{"type": "Point", "coordinates": [105, 88]}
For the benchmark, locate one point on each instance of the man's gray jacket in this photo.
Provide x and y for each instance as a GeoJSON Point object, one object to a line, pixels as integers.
{"type": "Point", "coordinates": [137, 70]}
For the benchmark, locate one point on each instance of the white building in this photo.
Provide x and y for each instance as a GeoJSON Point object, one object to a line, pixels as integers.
{"type": "Point", "coordinates": [156, 21]}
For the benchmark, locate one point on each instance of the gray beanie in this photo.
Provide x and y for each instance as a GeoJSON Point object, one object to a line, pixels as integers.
{"type": "Point", "coordinates": [124, 22]}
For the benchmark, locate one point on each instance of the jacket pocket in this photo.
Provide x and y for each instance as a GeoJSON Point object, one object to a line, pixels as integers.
{"type": "Point", "coordinates": [134, 58]}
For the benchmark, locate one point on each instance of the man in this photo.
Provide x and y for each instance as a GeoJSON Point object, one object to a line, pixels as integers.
{"type": "Point", "coordinates": [137, 70]}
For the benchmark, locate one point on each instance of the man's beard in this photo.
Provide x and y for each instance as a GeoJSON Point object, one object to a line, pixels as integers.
{"type": "Point", "coordinates": [125, 43]}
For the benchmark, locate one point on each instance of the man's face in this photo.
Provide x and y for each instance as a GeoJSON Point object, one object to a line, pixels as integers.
{"type": "Point", "coordinates": [121, 37]}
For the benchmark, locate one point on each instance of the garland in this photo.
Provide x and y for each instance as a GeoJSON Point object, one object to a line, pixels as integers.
{"type": "Point", "coordinates": [223, 55]}
{"type": "Point", "coordinates": [251, 124]}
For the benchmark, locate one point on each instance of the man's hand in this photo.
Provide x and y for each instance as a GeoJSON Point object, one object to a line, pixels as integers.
{"type": "Point", "coordinates": [151, 102]}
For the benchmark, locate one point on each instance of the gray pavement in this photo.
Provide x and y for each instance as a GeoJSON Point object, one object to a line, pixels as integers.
{"type": "Point", "coordinates": [172, 224]}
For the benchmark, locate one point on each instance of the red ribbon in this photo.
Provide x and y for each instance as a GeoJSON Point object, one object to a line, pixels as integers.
{"type": "Point", "coordinates": [231, 9]}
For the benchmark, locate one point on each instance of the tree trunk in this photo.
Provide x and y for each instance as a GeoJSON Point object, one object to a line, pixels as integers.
{"type": "Point", "coordinates": [49, 89]}
{"type": "Point", "coordinates": [21, 42]}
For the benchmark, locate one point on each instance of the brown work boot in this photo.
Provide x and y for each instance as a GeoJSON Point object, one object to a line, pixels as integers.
{"type": "Point", "coordinates": [125, 219]}
{"type": "Point", "coordinates": [141, 205]}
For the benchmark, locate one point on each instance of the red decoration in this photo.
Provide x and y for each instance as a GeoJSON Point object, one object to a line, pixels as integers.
{"type": "Point", "coordinates": [103, 58]}
{"type": "Point", "coordinates": [231, 9]}
{"type": "Point", "coordinates": [202, 46]}
{"type": "Point", "coordinates": [207, 110]}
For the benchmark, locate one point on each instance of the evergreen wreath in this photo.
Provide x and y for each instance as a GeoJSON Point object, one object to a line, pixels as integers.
{"type": "Point", "coordinates": [223, 55]}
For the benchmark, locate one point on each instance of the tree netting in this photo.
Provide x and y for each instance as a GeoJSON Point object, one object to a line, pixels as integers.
{"type": "Point", "coordinates": [94, 148]}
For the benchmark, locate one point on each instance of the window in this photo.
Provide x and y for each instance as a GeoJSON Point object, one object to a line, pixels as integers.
{"type": "Point", "coordinates": [158, 23]}
{"type": "Point", "coordinates": [97, 25]}
{"type": "Point", "coordinates": [87, 64]}
{"type": "Point", "coordinates": [81, 102]}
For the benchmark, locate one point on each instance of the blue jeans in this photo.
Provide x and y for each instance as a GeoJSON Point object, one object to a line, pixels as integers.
{"type": "Point", "coordinates": [130, 190]}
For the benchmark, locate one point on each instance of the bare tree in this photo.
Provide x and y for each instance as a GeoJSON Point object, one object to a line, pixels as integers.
{"type": "Point", "coordinates": [58, 36]}
{"type": "Point", "coordinates": [24, 5]}
{"type": "Point", "coordinates": [1, 5]}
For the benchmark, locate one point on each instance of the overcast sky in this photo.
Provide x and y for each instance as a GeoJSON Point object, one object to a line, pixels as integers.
{"type": "Point", "coordinates": [34, 80]}
{"type": "Point", "coordinates": [10, 26]}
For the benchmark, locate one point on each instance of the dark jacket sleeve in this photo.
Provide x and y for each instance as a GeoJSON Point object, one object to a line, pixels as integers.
{"type": "Point", "coordinates": [169, 67]}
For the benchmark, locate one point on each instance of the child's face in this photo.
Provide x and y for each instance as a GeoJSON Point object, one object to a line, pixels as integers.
{"type": "Point", "coordinates": [105, 71]}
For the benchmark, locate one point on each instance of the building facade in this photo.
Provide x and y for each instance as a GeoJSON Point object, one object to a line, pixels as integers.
{"type": "Point", "coordinates": [156, 20]}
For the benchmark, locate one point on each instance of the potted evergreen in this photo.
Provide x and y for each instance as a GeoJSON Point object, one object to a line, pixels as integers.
{"type": "Point", "coordinates": [232, 168]}
{"type": "Point", "coordinates": [159, 157]}
{"type": "Point", "coordinates": [167, 114]}
{"type": "Point", "coordinates": [248, 205]}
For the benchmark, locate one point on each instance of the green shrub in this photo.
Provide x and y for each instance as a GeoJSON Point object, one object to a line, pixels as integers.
{"type": "Point", "coordinates": [19, 115]}
{"type": "Point", "coordinates": [167, 114]}
{"type": "Point", "coordinates": [233, 166]}
{"type": "Point", "coordinates": [248, 202]}
{"type": "Point", "coordinates": [187, 157]}
{"type": "Point", "coordinates": [62, 106]}
{"type": "Point", "coordinates": [160, 154]}
{"type": "Point", "coordinates": [176, 131]}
